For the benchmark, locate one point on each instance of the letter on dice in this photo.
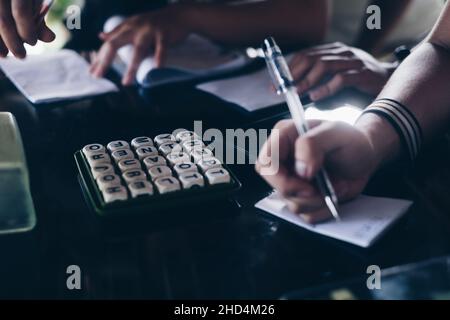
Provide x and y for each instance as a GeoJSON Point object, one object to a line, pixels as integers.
{"type": "Point", "coordinates": [129, 164]}
{"type": "Point", "coordinates": [140, 142]}
{"type": "Point", "coordinates": [192, 180]}
{"type": "Point", "coordinates": [118, 145]}
{"type": "Point", "coordinates": [163, 138]}
{"type": "Point", "coordinates": [170, 147]}
{"type": "Point", "coordinates": [153, 161]}
{"type": "Point", "coordinates": [101, 169]}
{"type": "Point", "coordinates": [218, 176]}
{"type": "Point", "coordinates": [99, 158]}
{"type": "Point", "coordinates": [159, 171]}
{"type": "Point", "coordinates": [177, 157]}
{"type": "Point", "coordinates": [167, 184]}
{"type": "Point", "coordinates": [93, 149]}
{"type": "Point", "coordinates": [113, 194]}
{"type": "Point", "coordinates": [184, 167]}
{"type": "Point", "coordinates": [209, 163]}
{"type": "Point", "coordinates": [123, 154]}
{"type": "Point", "coordinates": [134, 175]}
{"type": "Point", "coordinates": [108, 180]}
{"type": "Point", "coordinates": [140, 188]}
{"type": "Point", "coordinates": [146, 152]}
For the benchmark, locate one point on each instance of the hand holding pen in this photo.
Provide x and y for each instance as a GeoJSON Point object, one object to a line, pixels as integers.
{"type": "Point", "coordinates": [23, 23]}
{"type": "Point", "coordinates": [282, 79]}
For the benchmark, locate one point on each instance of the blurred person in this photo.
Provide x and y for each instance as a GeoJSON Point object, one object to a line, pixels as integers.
{"type": "Point", "coordinates": [324, 70]}
{"type": "Point", "coordinates": [230, 24]}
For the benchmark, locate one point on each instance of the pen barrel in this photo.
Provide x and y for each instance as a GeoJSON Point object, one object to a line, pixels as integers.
{"type": "Point", "coordinates": [325, 187]}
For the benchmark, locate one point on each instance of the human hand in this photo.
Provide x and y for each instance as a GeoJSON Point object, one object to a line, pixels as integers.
{"type": "Point", "coordinates": [20, 23]}
{"type": "Point", "coordinates": [345, 151]}
{"type": "Point", "coordinates": [347, 67]}
{"type": "Point", "coordinates": [156, 30]}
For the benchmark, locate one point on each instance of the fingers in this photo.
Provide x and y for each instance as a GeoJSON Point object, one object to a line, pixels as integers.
{"type": "Point", "coordinates": [319, 143]}
{"type": "Point", "coordinates": [3, 49]}
{"type": "Point", "coordinates": [305, 59]}
{"type": "Point", "coordinates": [46, 34]}
{"type": "Point", "coordinates": [302, 204]}
{"type": "Point", "coordinates": [324, 66]}
{"type": "Point", "coordinates": [141, 49]}
{"type": "Point", "coordinates": [337, 83]}
{"type": "Point", "coordinates": [8, 31]}
{"type": "Point", "coordinates": [108, 53]}
{"type": "Point", "coordinates": [278, 148]}
{"type": "Point", "coordinates": [23, 14]}
{"type": "Point", "coordinates": [318, 214]}
{"type": "Point", "coordinates": [300, 159]}
{"type": "Point", "coordinates": [160, 50]}
{"type": "Point", "coordinates": [116, 32]}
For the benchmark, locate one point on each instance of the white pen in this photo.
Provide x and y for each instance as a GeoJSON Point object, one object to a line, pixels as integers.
{"type": "Point", "coordinates": [283, 82]}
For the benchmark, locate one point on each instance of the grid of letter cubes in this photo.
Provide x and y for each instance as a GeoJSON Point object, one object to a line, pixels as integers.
{"type": "Point", "coordinates": [146, 167]}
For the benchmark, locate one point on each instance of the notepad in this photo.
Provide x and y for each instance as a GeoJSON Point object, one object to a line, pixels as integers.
{"type": "Point", "coordinates": [193, 58]}
{"type": "Point", "coordinates": [363, 220]}
{"type": "Point", "coordinates": [62, 75]}
{"type": "Point", "coordinates": [252, 92]}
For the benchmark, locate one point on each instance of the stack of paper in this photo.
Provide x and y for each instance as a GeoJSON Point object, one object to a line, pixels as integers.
{"type": "Point", "coordinates": [363, 220]}
{"type": "Point", "coordinates": [52, 77]}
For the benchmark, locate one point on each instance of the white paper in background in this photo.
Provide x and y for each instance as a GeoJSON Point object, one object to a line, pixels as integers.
{"type": "Point", "coordinates": [347, 113]}
{"type": "Point", "coordinates": [196, 55]}
{"type": "Point", "coordinates": [363, 220]}
{"type": "Point", "coordinates": [252, 92]}
{"type": "Point", "coordinates": [53, 77]}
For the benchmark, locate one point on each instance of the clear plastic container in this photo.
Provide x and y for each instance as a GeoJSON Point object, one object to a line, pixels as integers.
{"type": "Point", "coordinates": [16, 205]}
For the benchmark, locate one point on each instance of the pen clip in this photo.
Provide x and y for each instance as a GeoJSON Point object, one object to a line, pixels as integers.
{"type": "Point", "coordinates": [277, 66]}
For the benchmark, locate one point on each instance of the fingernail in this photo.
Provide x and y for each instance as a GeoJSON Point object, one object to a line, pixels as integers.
{"type": "Point", "coordinates": [318, 94]}
{"type": "Point", "coordinates": [302, 169]}
{"type": "Point", "coordinates": [314, 96]}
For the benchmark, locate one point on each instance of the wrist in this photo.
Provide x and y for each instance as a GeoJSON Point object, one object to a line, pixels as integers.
{"type": "Point", "coordinates": [382, 137]}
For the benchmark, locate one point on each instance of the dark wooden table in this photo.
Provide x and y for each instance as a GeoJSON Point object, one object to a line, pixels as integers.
{"type": "Point", "coordinates": [240, 253]}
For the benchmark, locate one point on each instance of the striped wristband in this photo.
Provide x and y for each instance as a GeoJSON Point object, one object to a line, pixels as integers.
{"type": "Point", "coordinates": [403, 121]}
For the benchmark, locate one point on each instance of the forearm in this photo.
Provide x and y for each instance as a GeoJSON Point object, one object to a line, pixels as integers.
{"type": "Point", "coordinates": [292, 22]}
{"type": "Point", "coordinates": [420, 84]}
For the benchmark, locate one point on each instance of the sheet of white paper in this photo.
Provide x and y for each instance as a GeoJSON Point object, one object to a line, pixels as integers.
{"type": "Point", "coordinates": [251, 92]}
{"type": "Point", "coordinates": [363, 220]}
{"type": "Point", "coordinates": [196, 55]}
{"type": "Point", "coordinates": [53, 77]}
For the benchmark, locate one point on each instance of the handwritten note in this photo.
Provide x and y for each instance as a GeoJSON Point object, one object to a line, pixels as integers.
{"type": "Point", "coordinates": [363, 222]}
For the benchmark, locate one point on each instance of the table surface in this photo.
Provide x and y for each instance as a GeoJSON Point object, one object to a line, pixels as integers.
{"type": "Point", "coordinates": [216, 251]}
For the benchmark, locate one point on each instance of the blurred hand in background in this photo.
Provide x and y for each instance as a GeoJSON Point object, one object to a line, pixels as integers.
{"type": "Point", "coordinates": [20, 23]}
{"type": "Point", "coordinates": [150, 32]}
{"type": "Point", "coordinates": [326, 69]}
